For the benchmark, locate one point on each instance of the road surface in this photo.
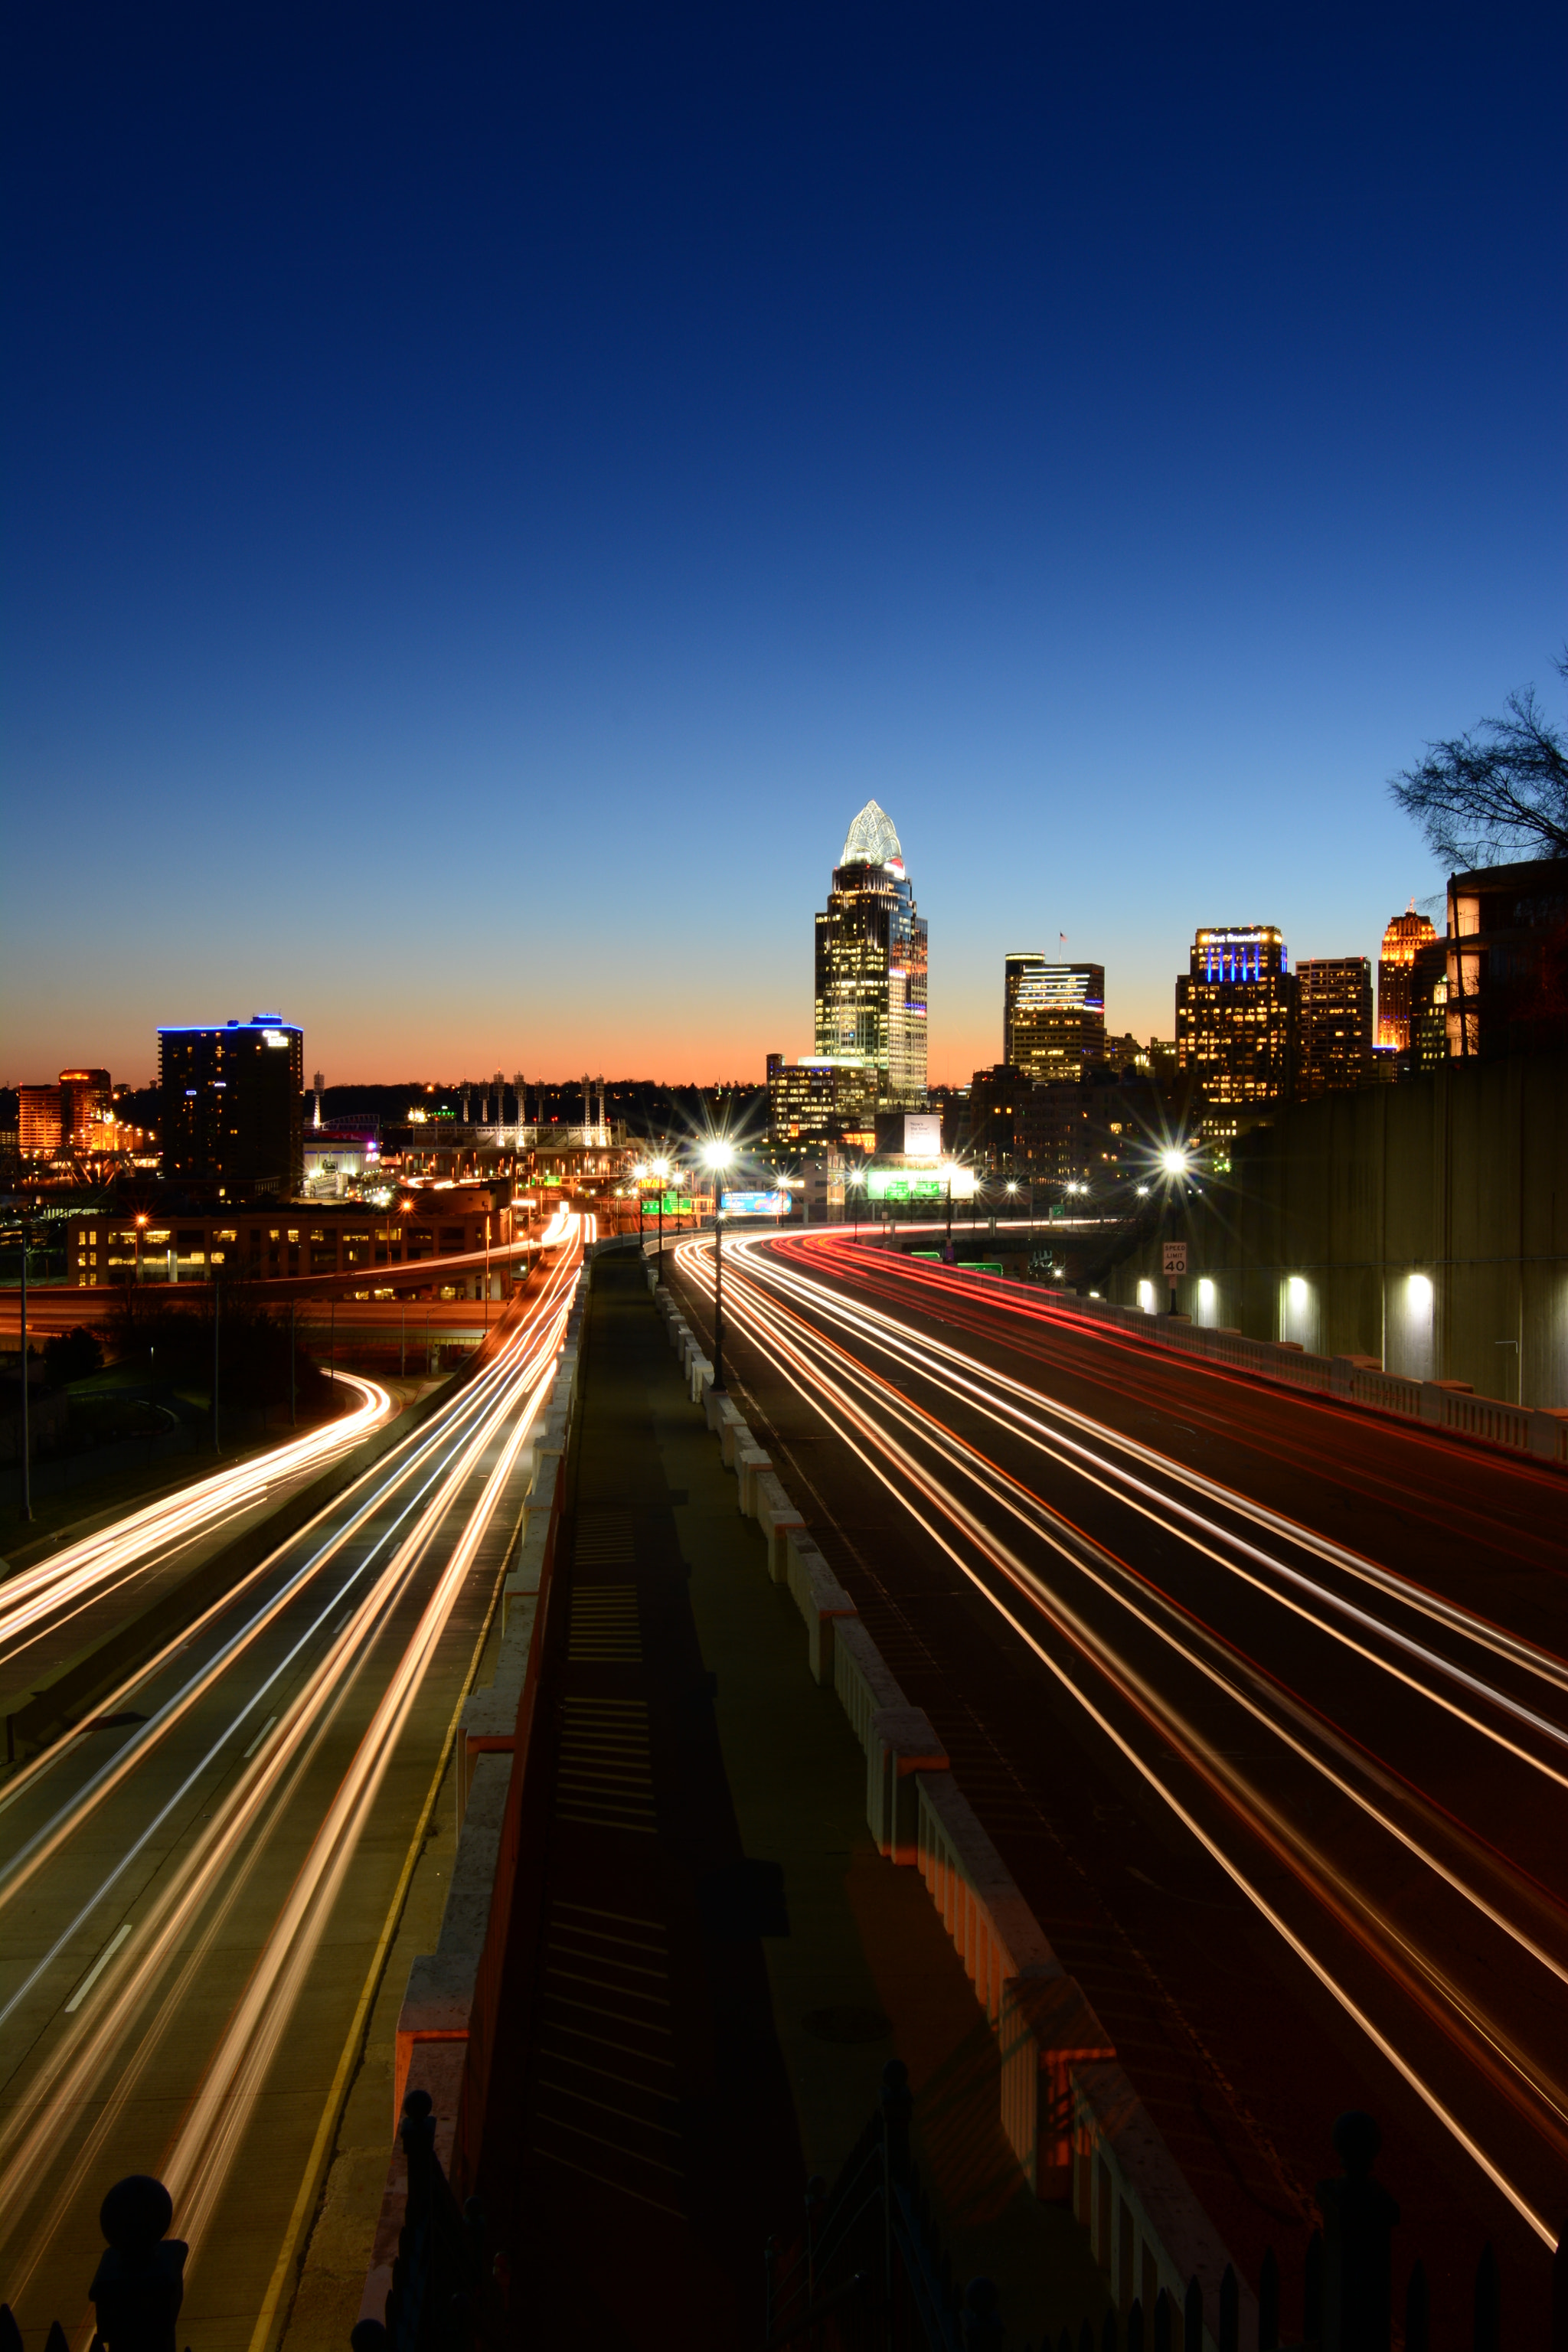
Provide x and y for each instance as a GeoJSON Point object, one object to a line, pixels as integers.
{"type": "Point", "coordinates": [1264, 1699]}
{"type": "Point", "coordinates": [194, 1890]}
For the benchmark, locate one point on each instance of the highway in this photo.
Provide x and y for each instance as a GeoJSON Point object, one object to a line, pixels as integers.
{"type": "Point", "coordinates": [195, 1889]}
{"type": "Point", "coordinates": [1264, 1700]}
{"type": "Point", "coordinates": [65, 1602]}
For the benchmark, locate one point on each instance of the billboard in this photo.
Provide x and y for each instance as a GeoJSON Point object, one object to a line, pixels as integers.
{"type": "Point", "coordinates": [756, 1205]}
{"type": "Point", "coordinates": [923, 1135]}
{"type": "Point", "coordinates": [904, 1184]}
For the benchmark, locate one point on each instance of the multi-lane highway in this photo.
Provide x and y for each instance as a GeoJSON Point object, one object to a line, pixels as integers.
{"type": "Point", "coordinates": [195, 1889]}
{"type": "Point", "coordinates": [73, 1596]}
{"type": "Point", "coordinates": [1265, 1699]}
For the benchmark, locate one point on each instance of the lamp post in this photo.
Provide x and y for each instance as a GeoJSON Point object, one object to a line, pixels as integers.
{"type": "Point", "coordinates": [661, 1171]}
{"type": "Point", "coordinates": [27, 1446]}
{"type": "Point", "coordinates": [718, 1155]}
{"type": "Point", "coordinates": [856, 1183]}
{"type": "Point", "coordinates": [639, 1175]}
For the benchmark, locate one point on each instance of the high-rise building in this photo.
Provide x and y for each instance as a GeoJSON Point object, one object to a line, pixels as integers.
{"type": "Point", "coordinates": [1406, 933]}
{"type": "Point", "coordinates": [826, 1099]}
{"type": "Point", "coordinates": [1507, 953]}
{"type": "Point", "coordinates": [38, 1118]}
{"type": "Point", "coordinates": [1053, 1015]}
{"type": "Point", "coordinates": [1333, 1024]}
{"type": "Point", "coordinates": [871, 963]}
{"type": "Point", "coordinates": [232, 1110]}
{"type": "Point", "coordinates": [1429, 1006]}
{"type": "Point", "coordinates": [87, 1101]}
{"type": "Point", "coordinates": [1235, 1014]}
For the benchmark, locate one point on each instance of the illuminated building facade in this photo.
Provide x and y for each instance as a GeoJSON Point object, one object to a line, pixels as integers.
{"type": "Point", "coordinates": [1429, 1006]}
{"type": "Point", "coordinates": [1235, 1014]}
{"type": "Point", "coordinates": [232, 1106]}
{"type": "Point", "coordinates": [1333, 1024]}
{"type": "Point", "coordinates": [38, 1118]}
{"type": "Point", "coordinates": [1506, 960]}
{"type": "Point", "coordinates": [76, 1114]}
{"type": "Point", "coordinates": [1053, 1015]}
{"type": "Point", "coordinates": [1405, 936]}
{"type": "Point", "coordinates": [871, 963]}
{"type": "Point", "coordinates": [87, 1108]}
{"type": "Point", "coordinates": [824, 1098]}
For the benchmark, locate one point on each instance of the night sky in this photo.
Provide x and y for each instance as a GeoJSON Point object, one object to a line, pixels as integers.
{"type": "Point", "coordinates": [490, 492]}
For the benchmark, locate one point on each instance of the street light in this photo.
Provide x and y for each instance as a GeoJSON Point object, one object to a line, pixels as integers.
{"type": "Point", "coordinates": [857, 1180]}
{"type": "Point", "coordinates": [718, 1153]}
{"type": "Point", "coordinates": [661, 1171]}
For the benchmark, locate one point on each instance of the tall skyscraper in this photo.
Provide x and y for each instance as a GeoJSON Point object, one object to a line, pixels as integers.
{"type": "Point", "coordinates": [1235, 1014]}
{"type": "Point", "coordinates": [871, 962]}
{"type": "Point", "coordinates": [232, 1106]}
{"type": "Point", "coordinates": [1053, 1015]}
{"type": "Point", "coordinates": [1404, 935]}
{"type": "Point", "coordinates": [1333, 1024]}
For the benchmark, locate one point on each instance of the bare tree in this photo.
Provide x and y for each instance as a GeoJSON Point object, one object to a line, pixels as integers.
{"type": "Point", "coordinates": [1501, 791]}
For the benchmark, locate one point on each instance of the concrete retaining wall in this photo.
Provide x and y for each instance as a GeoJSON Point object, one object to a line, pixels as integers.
{"type": "Point", "coordinates": [1424, 1225]}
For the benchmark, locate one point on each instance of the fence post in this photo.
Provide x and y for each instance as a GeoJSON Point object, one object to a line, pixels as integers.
{"type": "Point", "coordinates": [1229, 2312]}
{"type": "Point", "coordinates": [1193, 2317]}
{"type": "Point", "coordinates": [1359, 2216]}
{"type": "Point", "coordinates": [1417, 2311]}
{"type": "Point", "coordinates": [1488, 2335]}
{"type": "Point", "coordinates": [1312, 2294]}
{"type": "Point", "coordinates": [139, 2285]}
{"type": "Point", "coordinates": [1268, 2302]}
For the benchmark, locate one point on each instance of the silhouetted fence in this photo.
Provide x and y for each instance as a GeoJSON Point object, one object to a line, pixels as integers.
{"type": "Point", "coordinates": [140, 2282]}
{"type": "Point", "coordinates": [870, 2273]}
{"type": "Point", "coordinates": [437, 2278]}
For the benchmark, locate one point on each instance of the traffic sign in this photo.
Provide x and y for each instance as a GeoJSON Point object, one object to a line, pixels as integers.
{"type": "Point", "coordinates": [1175, 1255]}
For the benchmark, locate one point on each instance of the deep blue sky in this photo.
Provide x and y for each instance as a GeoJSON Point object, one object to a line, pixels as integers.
{"type": "Point", "coordinates": [492, 490]}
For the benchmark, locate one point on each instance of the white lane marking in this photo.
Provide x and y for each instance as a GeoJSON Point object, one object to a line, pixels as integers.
{"type": "Point", "coordinates": [258, 1739]}
{"type": "Point", "coordinates": [98, 1968]}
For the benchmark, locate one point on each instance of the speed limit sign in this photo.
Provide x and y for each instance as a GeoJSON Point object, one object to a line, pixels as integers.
{"type": "Point", "coordinates": [1176, 1257]}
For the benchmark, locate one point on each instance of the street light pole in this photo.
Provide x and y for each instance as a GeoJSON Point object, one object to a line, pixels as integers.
{"type": "Point", "coordinates": [27, 1446]}
{"type": "Point", "coordinates": [718, 1156]}
{"type": "Point", "coordinates": [216, 1296]}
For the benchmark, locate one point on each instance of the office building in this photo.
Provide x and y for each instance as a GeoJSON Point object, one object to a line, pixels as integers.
{"type": "Point", "coordinates": [1235, 1014]}
{"type": "Point", "coordinates": [1404, 935]}
{"type": "Point", "coordinates": [38, 1119]}
{"type": "Point", "coordinates": [1053, 1015]}
{"type": "Point", "coordinates": [1333, 1024]}
{"type": "Point", "coordinates": [1507, 959]}
{"type": "Point", "coordinates": [1429, 1004]}
{"type": "Point", "coordinates": [871, 963]}
{"type": "Point", "coordinates": [997, 1098]}
{"type": "Point", "coordinates": [76, 1114]}
{"type": "Point", "coordinates": [823, 1098]}
{"type": "Point", "coordinates": [232, 1111]}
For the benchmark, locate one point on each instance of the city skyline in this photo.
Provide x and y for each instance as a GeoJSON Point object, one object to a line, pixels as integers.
{"type": "Point", "coordinates": [475, 473]}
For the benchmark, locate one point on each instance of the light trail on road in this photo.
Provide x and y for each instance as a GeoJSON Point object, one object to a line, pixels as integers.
{"type": "Point", "coordinates": [1137, 1652]}
{"type": "Point", "coordinates": [157, 1966]}
{"type": "Point", "coordinates": [38, 1600]}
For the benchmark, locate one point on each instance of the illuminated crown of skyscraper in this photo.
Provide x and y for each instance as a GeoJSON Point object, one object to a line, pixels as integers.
{"type": "Point", "coordinates": [871, 840]}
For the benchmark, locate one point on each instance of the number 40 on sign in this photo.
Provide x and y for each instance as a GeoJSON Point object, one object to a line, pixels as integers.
{"type": "Point", "coordinates": [1175, 1259]}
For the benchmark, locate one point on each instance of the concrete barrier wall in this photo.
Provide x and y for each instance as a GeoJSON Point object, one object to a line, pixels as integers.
{"type": "Point", "coordinates": [1541, 1432]}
